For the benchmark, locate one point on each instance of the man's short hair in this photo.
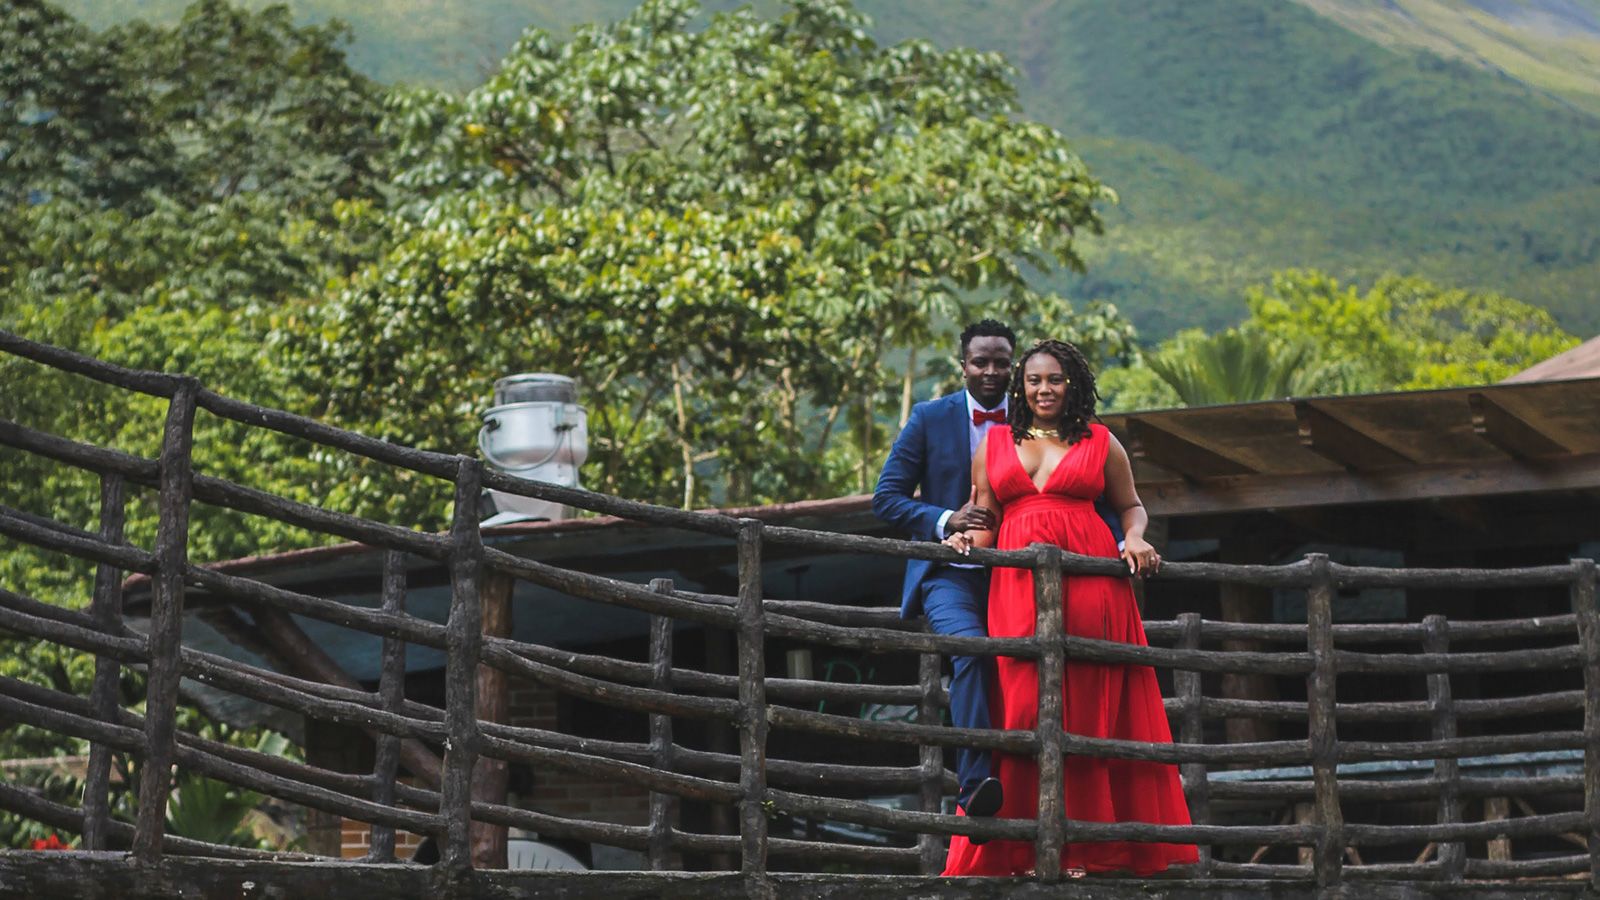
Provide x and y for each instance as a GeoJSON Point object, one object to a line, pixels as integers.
{"type": "Point", "coordinates": [986, 328]}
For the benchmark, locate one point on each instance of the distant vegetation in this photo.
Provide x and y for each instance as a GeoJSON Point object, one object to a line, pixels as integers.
{"type": "Point", "coordinates": [1244, 136]}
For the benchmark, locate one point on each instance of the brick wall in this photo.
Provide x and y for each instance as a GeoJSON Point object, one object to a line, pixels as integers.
{"type": "Point", "coordinates": [558, 793]}
{"type": "Point", "coordinates": [565, 794]}
{"type": "Point", "coordinates": [355, 840]}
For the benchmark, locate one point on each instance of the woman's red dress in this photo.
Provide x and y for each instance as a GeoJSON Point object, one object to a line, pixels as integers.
{"type": "Point", "coordinates": [1099, 700]}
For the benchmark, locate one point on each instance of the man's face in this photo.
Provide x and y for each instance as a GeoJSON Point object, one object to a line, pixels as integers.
{"type": "Point", "coordinates": [987, 369]}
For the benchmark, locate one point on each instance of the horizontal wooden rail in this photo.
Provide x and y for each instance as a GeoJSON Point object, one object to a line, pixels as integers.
{"type": "Point", "coordinates": [1386, 711]}
{"type": "Point", "coordinates": [1323, 773]}
{"type": "Point", "coordinates": [1562, 625]}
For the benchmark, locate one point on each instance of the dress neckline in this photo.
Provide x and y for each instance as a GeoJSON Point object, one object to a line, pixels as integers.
{"type": "Point", "coordinates": [1049, 479]}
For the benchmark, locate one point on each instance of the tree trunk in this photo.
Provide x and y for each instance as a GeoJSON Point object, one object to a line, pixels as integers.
{"type": "Point", "coordinates": [866, 440]}
{"type": "Point", "coordinates": [906, 386]}
{"type": "Point", "coordinates": [683, 438]}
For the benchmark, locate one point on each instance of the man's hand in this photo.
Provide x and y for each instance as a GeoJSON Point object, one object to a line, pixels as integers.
{"type": "Point", "coordinates": [971, 517]}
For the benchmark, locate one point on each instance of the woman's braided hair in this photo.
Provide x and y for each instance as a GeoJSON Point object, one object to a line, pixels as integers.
{"type": "Point", "coordinates": [1080, 399]}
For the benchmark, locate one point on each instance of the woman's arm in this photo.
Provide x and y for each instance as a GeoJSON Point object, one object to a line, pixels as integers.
{"type": "Point", "coordinates": [982, 495]}
{"type": "Point", "coordinates": [1142, 558]}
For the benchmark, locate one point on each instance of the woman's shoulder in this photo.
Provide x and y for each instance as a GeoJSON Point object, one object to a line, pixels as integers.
{"type": "Point", "coordinates": [1097, 434]}
{"type": "Point", "coordinates": [1100, 439]}
{"type": "Point", "coordinates": [994, 441]}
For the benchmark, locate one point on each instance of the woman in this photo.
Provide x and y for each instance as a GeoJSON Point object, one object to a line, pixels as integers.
{"type": "Point", "coordinates": [1039, 474]}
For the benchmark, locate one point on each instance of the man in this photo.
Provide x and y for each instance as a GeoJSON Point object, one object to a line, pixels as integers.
{"type": "Point", "coordinates": [934, 452]}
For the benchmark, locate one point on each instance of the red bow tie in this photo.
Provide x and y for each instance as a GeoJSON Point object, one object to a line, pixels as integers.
{"type": "Point", "coordinates": [980, 416]}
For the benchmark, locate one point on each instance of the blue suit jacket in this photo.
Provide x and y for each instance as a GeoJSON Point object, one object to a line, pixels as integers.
{"type": "Point", "coordinates": [933, 452]}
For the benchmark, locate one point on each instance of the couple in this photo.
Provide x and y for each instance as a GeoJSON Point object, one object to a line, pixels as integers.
{"type": "Point", "coordinates": [1015, 460]}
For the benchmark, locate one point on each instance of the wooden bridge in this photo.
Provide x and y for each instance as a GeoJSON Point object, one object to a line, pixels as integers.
{"type": "Point", "coordinates": [1315, 778]}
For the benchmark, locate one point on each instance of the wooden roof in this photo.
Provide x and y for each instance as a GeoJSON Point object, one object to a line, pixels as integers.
{"type": "Point", "coordinates": [1525, 437]}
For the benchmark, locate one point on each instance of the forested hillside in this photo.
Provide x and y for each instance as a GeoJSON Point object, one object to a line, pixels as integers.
{"type": "Point", "coordinates": [1243, 136]}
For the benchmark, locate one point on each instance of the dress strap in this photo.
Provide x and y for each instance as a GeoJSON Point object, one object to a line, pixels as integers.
{"type": "Point", "coordinates": [1000, 445]}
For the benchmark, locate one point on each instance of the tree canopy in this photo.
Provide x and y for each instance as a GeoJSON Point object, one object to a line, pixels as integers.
{"type": "Point", "coordinates": [739, 235]}
{"type": "Point", "coordinates": [1308, 334]}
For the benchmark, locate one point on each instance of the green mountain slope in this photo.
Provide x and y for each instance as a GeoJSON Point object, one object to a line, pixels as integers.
{"type": "Point", "coordinates": [1243, 135]}
{"type": "Point", "coordinates": [1552, 45]}
{"type": "Point", "coordinates": [1246, 136]}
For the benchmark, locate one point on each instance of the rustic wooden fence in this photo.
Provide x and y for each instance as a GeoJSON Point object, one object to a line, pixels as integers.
{"type": "Point", "coordinates": [753, 703]}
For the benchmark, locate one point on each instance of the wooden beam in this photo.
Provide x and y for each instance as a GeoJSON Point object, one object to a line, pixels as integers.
{"type": "Point", "coordinates": [1513, 435]}
{"type": "Point", "coordinates": [1326, 436]}
{"type": "Point", "coordinates": [225, 620]}
{"type": "Point", "coordinates": [1263, 491]}
{"type": "Point", "coordinates": [1170, 451]}
{"type": "Point", "coordinates": [492, 777]}
{"type": "Point", "coordinates": [1466, 512]}
{"type": "Point", "coordinates": [309, 661]}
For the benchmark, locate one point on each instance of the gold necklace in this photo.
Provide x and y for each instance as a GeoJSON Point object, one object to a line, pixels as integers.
{"type": "Point", "coordinates": [1040, 434]}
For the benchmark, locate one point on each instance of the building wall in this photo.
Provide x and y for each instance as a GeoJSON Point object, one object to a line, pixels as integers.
{"type": "Point", "coordinates": [355, 841]}
{"type": "Point", "coordinates": [557, 793]}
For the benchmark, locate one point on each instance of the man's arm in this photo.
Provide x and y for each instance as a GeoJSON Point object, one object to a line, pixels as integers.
{"type": "Point", "coordinates": [1112, 517]}
{"type": "Point", "coordinates": [902, 473]}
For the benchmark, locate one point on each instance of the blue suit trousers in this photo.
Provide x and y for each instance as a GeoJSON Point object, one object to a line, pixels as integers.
{"type": "Point", "coordinates": [956, 601]}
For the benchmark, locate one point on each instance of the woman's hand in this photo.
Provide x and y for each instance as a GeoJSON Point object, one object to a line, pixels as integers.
{"type": "Point", "coordinates": [1142, 559]}
{"type": "Point", "coordinates": [961, 542]}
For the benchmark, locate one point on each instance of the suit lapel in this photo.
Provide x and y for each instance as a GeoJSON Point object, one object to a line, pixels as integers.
{"type": "Point", "coordinates": [958, 443]}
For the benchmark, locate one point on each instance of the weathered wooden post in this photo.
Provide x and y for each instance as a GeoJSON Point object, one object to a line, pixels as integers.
{"type": "Point", "coordinates": [751, 639]}
{"type": "Point", "coordinates": [663, 807]}
{"type": "Point", "coordinates": [1049, 632]}
{"type": "Point", "coordinates": [392, 694]}
{"type": "Point", "coordinates": [491, 776]}
{"type": "Point", "coordinates": [1186, 684]}
{"type": "Point", "coordinates": [929, 712]}
{"type": "Point", "coordinates": [166, 620]}
{"type": "Point", "coordinates": [1446, 770]}
{"type": "Point", "coordinates": [1321, 691]}
{"type": "Point", "coordinates": [1583, 608]}
{"type": "Point", "coordinates": [106, 608]}
{"type": "Point", "coordinates": [464, 646]}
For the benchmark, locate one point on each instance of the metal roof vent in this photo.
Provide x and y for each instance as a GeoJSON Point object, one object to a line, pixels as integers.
{"type": "Point", "coordinates": [536, 430]}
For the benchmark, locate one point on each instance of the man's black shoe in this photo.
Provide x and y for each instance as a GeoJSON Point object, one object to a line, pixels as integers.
{"type": "Point", "coordinates": [984, 802]}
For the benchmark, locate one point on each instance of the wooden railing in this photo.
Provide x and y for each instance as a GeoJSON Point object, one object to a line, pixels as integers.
{"type": "Point", "coordinates": [753, 703]}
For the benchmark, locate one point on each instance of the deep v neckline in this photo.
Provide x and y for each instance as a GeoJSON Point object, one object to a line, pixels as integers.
{"type": "Point", "coordinates": [1037, 489]}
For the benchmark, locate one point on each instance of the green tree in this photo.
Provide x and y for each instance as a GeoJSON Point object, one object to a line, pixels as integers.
{"type": "Point", "coordinates": [265, 138]}
{"type": "Point", "coordinates": [251, 102]}
{"type": "Point", "coordinates": [73, 119]}
{"type": "Point", "coordinates": [1465, 337]}
{"type": "Point", "coordinates": [171, 198]}
{"type": "Point", "coordinates": [1309, 334]}
{"type": "Point", "coordinates": [1237, 366]}
{"type": "Point", "coordinates": [728, 231]}
{"type": "Point", "coordinates": [1406, 332]}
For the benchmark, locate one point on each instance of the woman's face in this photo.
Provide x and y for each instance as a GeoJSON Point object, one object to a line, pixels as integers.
{"type": "Point", "coordinates": [1044, 386]}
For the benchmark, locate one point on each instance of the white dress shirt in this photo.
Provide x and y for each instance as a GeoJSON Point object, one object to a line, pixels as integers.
{"type": "Point", "coordinates": [975, 433]}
